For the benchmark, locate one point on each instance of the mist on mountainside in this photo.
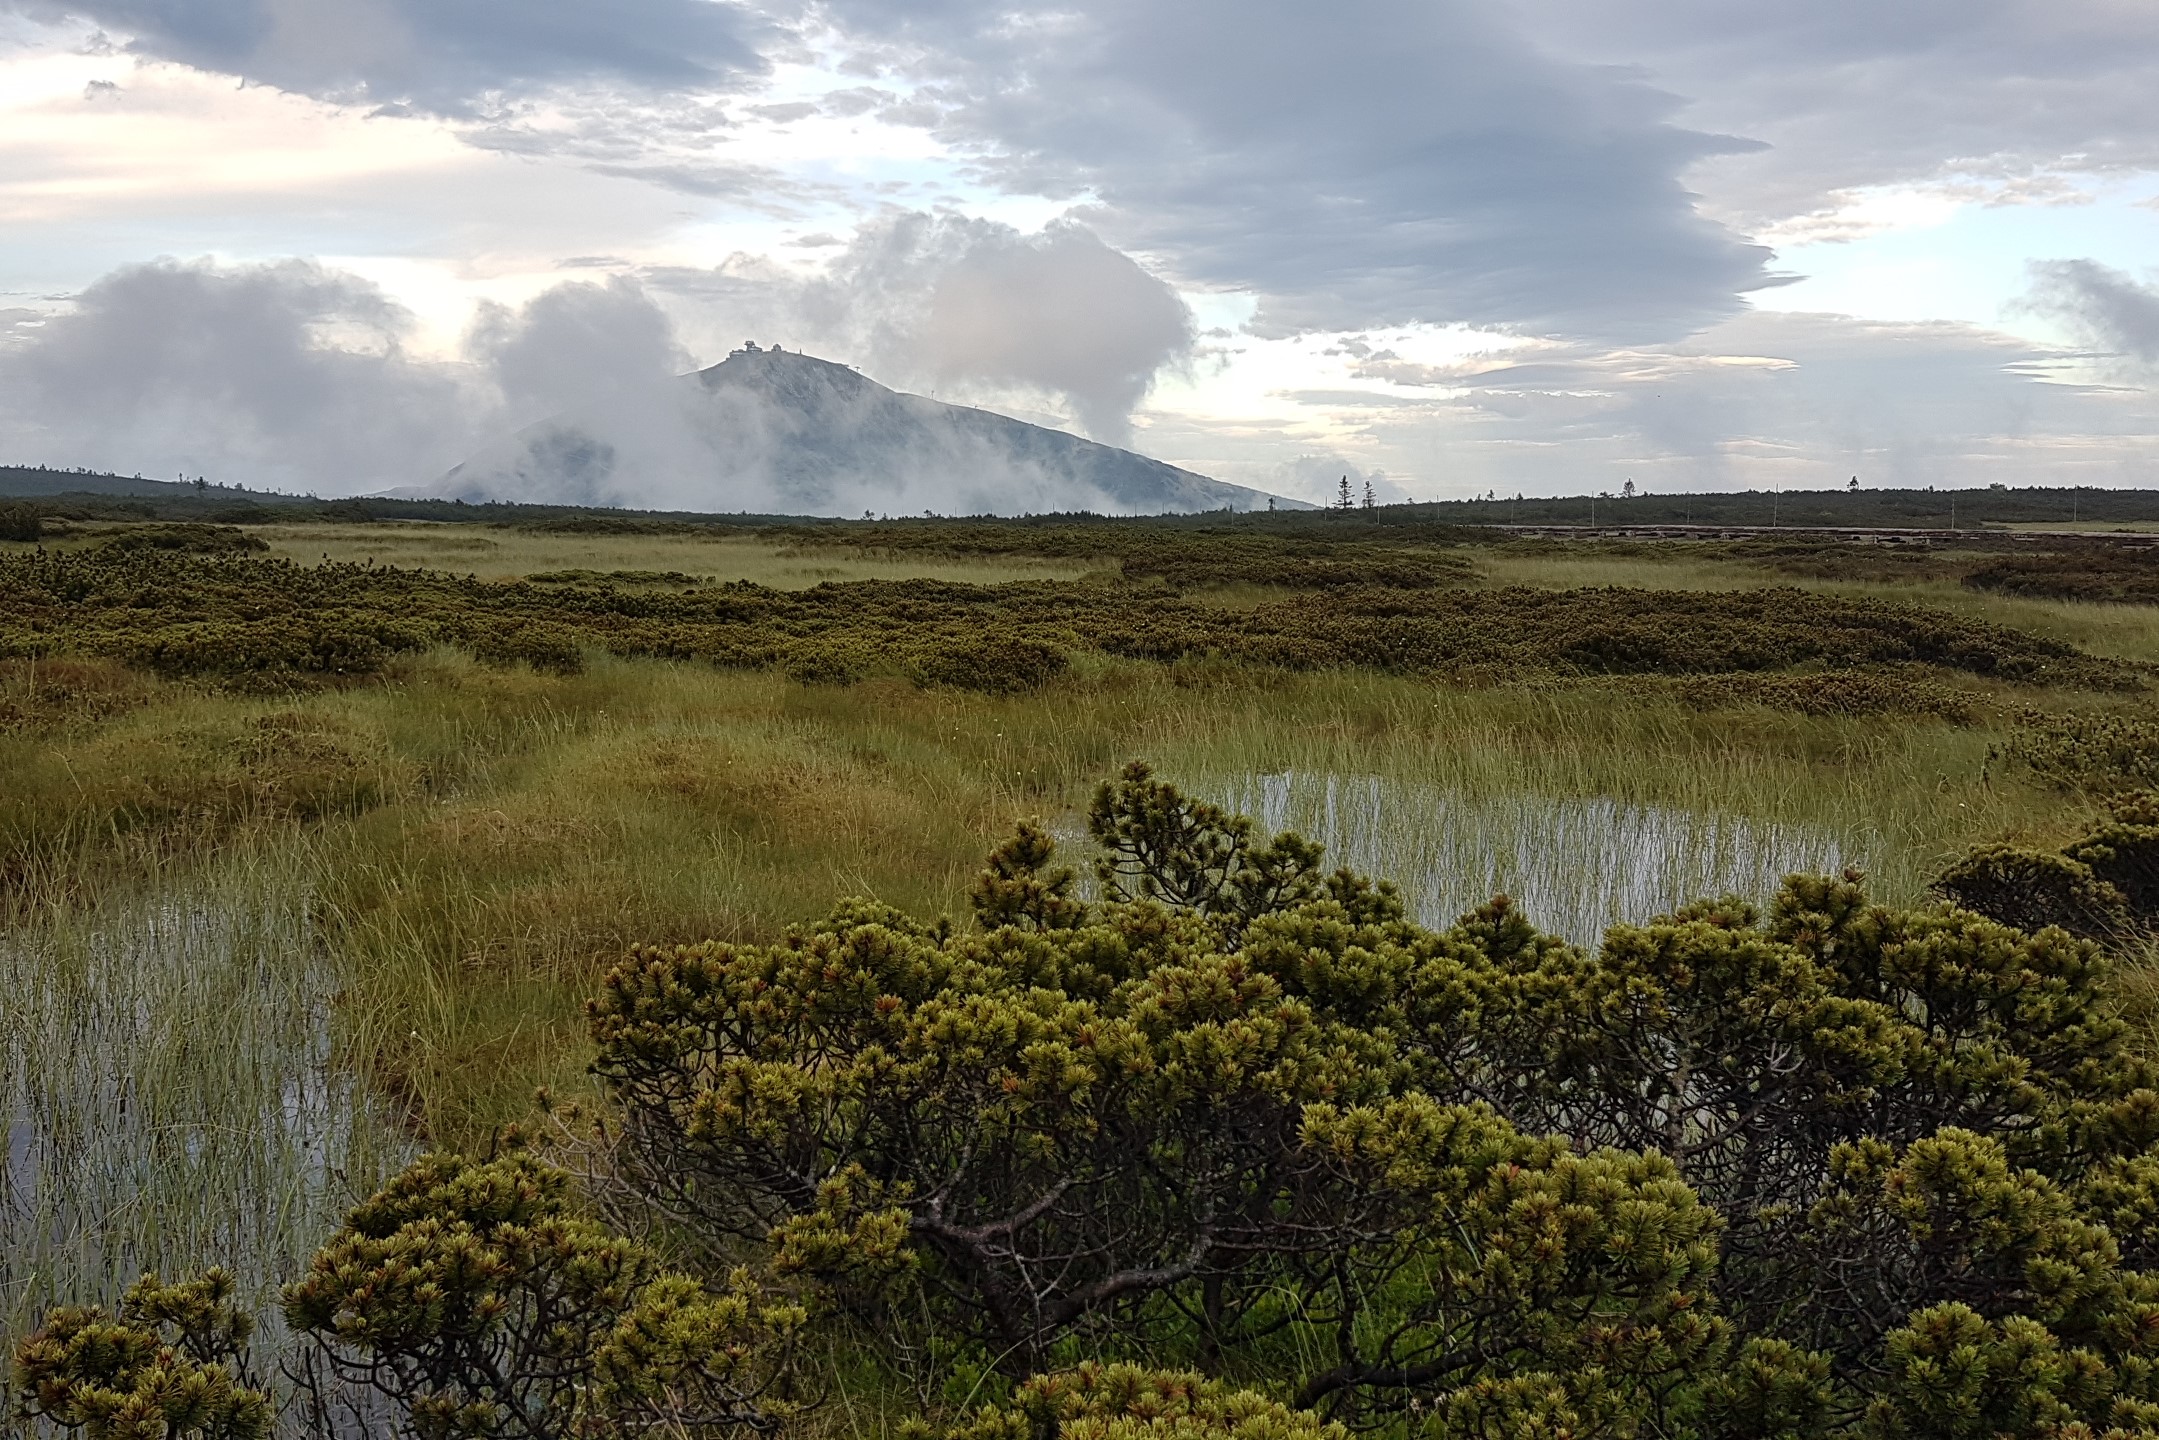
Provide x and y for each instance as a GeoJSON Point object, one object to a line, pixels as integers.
{"type": "Point", "coordinates": [771, 431]}
{"type": "Point", "coordinates": [299, 377]}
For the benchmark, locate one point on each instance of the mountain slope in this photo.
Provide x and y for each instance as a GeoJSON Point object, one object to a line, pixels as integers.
{"type": "Point", "coordinates": [773, 431]}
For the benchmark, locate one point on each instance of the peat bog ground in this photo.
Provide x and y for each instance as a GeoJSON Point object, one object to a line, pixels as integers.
{"type": "Point", "coordinates": [315, 840]}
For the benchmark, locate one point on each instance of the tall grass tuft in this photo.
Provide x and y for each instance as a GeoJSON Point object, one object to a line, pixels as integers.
{"type": "Point", "coordinates": [170, 1094]}
{"type": "Point", "coordinates": [1575, 866]}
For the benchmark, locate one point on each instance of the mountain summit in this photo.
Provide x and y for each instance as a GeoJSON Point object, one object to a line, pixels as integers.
{"type": "Point", "coordinates": [778, 432]}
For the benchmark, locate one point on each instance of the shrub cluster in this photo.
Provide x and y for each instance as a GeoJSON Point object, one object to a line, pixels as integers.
{"type": "Point", "coordinates": [613, 577]}
{"type": "Point", "coordinates": [242, 619]}
{"type": "Point", "coordinates": [2103, 885]}
{"type": "Point", "coordinates": [21, 522]}
{"type": "Point", "coordinates": [2084, 751]}
{"type": "Point", "coordinates": [1829, 692]}
{"type": "Point", "coordinates": [1840, 559]}
{"type": "Point", "coordinates": [2087, 572]}
{"type": "Point", "coordinates": [1182, 557]}
{"type": "Point", "coordinates": [1236, 1151]}
{"type": "Point", "coordinates": [172, 1362]}
{"type": "Point", "coordinates": [468, 1300]}
{"type": "Point", "coordinates": [1732, 1174]}
{"type": "Point", "coordinates": [188, 537]}
{"type": "Point", "coordinates": [46, 695]}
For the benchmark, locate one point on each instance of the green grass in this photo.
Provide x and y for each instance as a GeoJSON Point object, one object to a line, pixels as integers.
{"type": "Point", "coordinates": [1448, 792]}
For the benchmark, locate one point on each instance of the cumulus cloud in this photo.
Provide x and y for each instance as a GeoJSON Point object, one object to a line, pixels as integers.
{"type": "Point", "coordinates": [2108, 309]}
{"type": "Point", "coordinates": [1060, 311]}
{"type": "Point", "coordinates": [455, 57]}
{"type": "Point", "coordinates": [294, 376]}
{"type": "Point", "coordinates": [577, 344]}
{"type": "Point", "coordinates": [288, 374]}
{"type": "Point", "coordinates": [943, 301]}
{"type": "Point", "coordinates": [299, 377]}
{"type": "Point", "coordinates": [1365, 163]}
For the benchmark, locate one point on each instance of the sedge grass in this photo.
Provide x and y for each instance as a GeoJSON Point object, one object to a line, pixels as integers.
{"type": "Point", "coordinates": [170, 1089]}
{"type": "Point", "coordinates": [1575, 867]}
{"type": "Point", "coordinates": [647, 801]}
{"type": "Point", "coordinates": [484, 842]}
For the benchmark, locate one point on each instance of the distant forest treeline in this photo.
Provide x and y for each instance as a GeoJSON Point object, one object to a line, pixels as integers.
{"type": "Point", "coordinates": [88, 495]}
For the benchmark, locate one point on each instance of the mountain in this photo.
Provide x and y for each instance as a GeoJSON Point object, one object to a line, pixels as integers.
{"type": "Point", "coordinates": [778, 432]}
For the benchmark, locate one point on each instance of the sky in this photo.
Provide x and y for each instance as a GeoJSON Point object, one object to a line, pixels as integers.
{"type": "Point", "coordinates": [1514, 246]}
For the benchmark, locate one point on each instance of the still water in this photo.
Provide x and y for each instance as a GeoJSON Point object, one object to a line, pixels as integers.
{"type": "Point", "coordinates": [1574, 866]}
{"type": "Point", "coordinates": [171, 1097]}
{"type": "Point", "coordinates": [169, 1093]}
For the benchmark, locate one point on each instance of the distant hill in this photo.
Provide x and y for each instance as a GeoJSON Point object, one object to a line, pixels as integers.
{"type": "Point", "coordinates": [20, 482]}
{"type": "Point", "coordinates": [780, 432]}
{"type": "Point", "coordinates": [94, 494]}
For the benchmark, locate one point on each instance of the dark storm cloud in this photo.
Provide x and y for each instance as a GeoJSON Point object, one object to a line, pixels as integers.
{"type": "Point", "coordinates": [1371, 162]}
{"type": "Point", "coordinates": [1851, 93]}
{"type": "Point", "coordinates": [2108, 309]}
{"type": "Point", "coordinates": [446, 56]}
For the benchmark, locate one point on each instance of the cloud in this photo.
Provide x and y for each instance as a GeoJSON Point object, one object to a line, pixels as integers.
{"type": "Point", "coordinates": [1059, 311]}
{"type": "Point", "coordinates": [298, 376]}
{"type": "Point", "coordinates": [2108, 309]}
{"type": "Point", "coordinates": [1766, 399]}
{"type": "Point", "coordinates": [294, 376]}
{"type": "Point", "coordinates": [942, 301]}
{"type": "Point", "coordinates": [283, 374]}
{"type": "Point", "coordinates": [1366, 163]}
{"type": "Point", "coordinates": [776, 432]}
{"type": "Point", "coordinates": [452, 57]}
{"type": "Point", "coordinates": [576, 344]}
{"type": "Point", "coordinates": [1853, 93]}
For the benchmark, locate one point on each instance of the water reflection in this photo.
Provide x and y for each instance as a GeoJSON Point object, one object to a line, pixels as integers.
{"type": "Point", "coordinates": [170, 1093]}
{"type": "Point", "coordinates": [1575, 866]}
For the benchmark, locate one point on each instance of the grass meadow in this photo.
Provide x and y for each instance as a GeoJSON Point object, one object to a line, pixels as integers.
{"type": "Point", "coordinates": [257, 947]}
{"type": "Point", "coordinates": [494, 554]}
